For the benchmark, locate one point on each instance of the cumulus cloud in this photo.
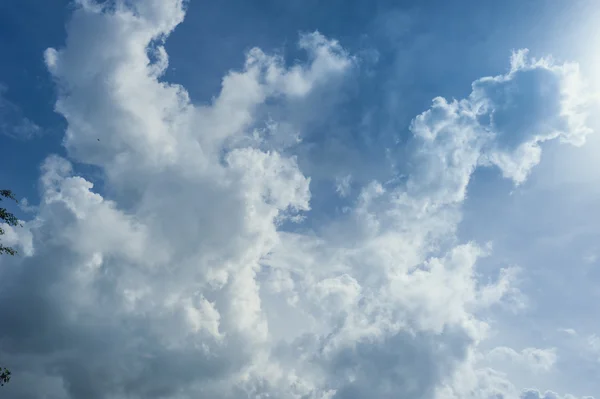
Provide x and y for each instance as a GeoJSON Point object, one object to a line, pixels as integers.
{"type": "Point", "coordinates": [535, 102]}
{"type": "Point", "coordinates": [180, 281]}
{"type": "Point", "coordinates": [535, 394]}
{"type": "Point", "coordinates": [503, 122]}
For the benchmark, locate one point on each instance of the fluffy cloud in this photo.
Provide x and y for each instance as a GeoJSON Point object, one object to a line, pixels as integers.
{"type": "Point", "coordinates": [183, 280]}
{"type": "Point", "coordinates": [502, 122]}
{"type": "Point", "coordinates": [535, 394]}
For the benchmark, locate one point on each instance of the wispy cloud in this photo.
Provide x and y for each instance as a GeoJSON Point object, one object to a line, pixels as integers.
{"type": "Point", "coordinates": [12, 121]}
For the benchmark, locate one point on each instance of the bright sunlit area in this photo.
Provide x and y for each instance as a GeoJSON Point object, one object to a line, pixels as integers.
{"type": "Point", "coordinates": [300, 199]}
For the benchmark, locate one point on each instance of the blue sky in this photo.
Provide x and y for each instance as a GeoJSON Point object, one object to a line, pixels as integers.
{"type": "Point", "coordinates": [299, 199]}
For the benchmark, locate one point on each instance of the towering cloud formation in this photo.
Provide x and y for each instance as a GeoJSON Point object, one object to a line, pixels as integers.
{"type": "Point", "coordinates": [184, 283]}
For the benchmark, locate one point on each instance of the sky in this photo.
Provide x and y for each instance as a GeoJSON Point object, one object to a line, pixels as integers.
{"type": "Point", "coordinates": [301, 199]}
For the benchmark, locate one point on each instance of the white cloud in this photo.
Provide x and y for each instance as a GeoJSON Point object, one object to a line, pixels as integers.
{"type": "Point", "coordinates": [535, 102]}
{"type": "Point", "coordinates": [569, 331]}
{"type": "Point", "coordinates": [184, 272]}
{"type": "Point", "coordinates": [535, 394]}
{"type": "Point", "coordinates": [502, 122]}
{"type": "Point", "coordinates": [533, 358]}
